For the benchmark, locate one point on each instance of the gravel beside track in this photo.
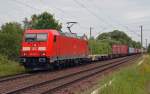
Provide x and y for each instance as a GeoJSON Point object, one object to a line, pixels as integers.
{"type": "Point", "coordinates": [49, 81]}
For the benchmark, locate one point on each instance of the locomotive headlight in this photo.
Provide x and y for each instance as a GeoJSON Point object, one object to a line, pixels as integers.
{"type": "Point", "coordinates": [26, 48]}
{"type": "Point", "coordinates": [24, 53]}
{"type": "Point", "coordinates": [42, 48]}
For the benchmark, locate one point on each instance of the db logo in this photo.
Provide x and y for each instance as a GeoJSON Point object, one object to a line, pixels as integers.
{"type": "Point", "coordinates": [34, 48]}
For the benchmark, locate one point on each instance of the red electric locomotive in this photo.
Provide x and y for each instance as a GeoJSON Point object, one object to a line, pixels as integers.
{"type": "Point", "coordinates": [43, 48]}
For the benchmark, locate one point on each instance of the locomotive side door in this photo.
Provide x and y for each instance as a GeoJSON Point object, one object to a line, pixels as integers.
{"type": "Point", "coordinates": [57, 48]}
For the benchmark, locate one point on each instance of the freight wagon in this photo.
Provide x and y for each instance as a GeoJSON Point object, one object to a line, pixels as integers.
{"type": "Point", "coordinates": [131, 51]}
{"type": "Point", "coordinates": [119, 50]}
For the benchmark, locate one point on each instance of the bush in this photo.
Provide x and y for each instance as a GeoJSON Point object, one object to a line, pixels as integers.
{"type": "Point", "coordinates": [9, 67]}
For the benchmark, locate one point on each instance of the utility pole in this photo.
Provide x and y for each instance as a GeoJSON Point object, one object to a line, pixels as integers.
{"type": "Point", "coordinates": [141, 38]}
{"type": "Point", "coordinates": [91, 51]}
{"type": "Point", "coordinates": [146, 43]}
{"type": "Point", "coordinates": [90, 32]}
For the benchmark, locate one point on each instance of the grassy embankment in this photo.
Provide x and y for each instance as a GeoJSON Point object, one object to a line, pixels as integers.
{"type": "Point", "coordinates": [130, 80]}
{"type": "Point", "coordinates": [8, 67]}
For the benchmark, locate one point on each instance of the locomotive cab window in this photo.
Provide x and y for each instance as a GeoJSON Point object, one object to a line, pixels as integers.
{"type": "Point", "coordinates": [30, 37]}
{"type": "Point", "coordinates": [41, 37]}
{"type": "Point", "coordinates": [38, 37]}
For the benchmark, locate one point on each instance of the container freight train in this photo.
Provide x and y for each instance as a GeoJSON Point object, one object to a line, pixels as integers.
{"type": "Point", "coordinates": [44, 49]}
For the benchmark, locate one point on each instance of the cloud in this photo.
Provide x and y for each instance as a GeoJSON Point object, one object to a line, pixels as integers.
{"type": "Point", "coordinates": [135, 15]}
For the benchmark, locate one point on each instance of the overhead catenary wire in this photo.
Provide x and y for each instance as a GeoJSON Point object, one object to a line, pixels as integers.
{"type": "Point", "coordinates": [118, 23]}
{"type": "Point", "coordinates": [37, 9]}
{"type": "Point", "coordinates": [75, 17]}
{"type": "Point", "coordinates": [70, 16]}
{"type": "Point", "coordinates": [27, 5]}
{"type": "Point", "coordinates": [92, 13]}
{"type": "Point", "coordinates": [83, 6]}
{"type": "Point", "coordinates": [33, 8]}
{"type": "Point", "coordinates": [59, 9]}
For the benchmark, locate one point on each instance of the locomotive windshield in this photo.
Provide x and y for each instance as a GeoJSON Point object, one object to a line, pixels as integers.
{"type": "Point", "coordinates": [38, 37]}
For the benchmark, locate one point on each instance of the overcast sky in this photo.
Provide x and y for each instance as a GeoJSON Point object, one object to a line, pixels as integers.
{"type": "Point", "coordinates": [102, 15]}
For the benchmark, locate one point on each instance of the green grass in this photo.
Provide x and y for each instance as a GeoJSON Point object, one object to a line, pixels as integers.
{"type": "Point", "coordinates": [131, 80]}
{"type": "Point", "coordinates": [8, 67]}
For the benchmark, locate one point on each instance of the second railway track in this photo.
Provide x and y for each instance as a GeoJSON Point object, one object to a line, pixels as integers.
{"type": "Point", "coordinates": [54, 82]}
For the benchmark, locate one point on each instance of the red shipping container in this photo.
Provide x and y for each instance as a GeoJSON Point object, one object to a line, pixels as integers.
{"type": "Point", "coordinates": [119, 49]}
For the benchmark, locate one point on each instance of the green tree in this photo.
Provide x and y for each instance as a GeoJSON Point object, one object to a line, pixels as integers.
{"type": "Point", "coordinates": [10, 39]}
{"type": "Point", "coordinates": [42, 21]}
{"type": "Point", "coordinates": [118, 37]}
{"type": "Point", "coordinates": [136, 44]}
{"type": "Point", "coordinates": [104, 36]}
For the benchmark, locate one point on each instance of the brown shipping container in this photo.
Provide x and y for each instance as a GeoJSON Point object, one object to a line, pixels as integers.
{"type": "Point", "coordinates": [120, 49]}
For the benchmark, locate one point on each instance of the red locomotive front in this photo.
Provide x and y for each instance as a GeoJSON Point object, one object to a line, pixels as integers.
{"type": "Point", "coordinates": [40, 48]}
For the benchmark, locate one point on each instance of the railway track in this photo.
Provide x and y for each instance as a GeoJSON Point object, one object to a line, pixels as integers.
{"type": "Point", "coordinates": [18, 76]}
{"type": "Point", "coordinates": [46, 86]}
{"type": "Point", "coordinates": [15, 77]}
{"type": "Point", "coordinates": [23, 75]}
